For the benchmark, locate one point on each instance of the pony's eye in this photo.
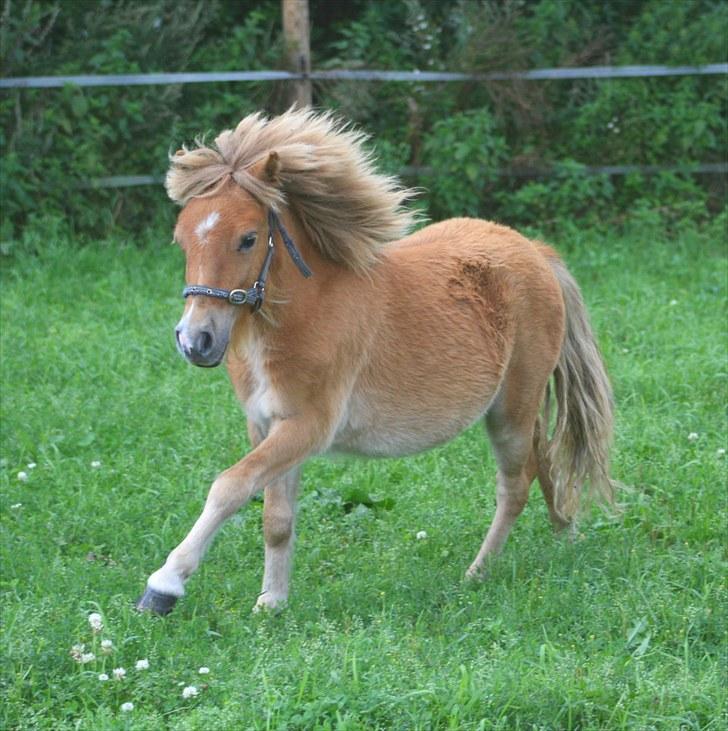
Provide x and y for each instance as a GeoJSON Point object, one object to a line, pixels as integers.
{"type": "Point", "coordinates": [247, 242]}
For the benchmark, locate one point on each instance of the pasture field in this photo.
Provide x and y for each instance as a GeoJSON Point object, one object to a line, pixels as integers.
{"type": "Point", "coordinates": [623, 628]}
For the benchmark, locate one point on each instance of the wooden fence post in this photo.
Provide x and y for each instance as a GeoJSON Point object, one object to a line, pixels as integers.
{"type": "Point", "coordinates": [298, 49]}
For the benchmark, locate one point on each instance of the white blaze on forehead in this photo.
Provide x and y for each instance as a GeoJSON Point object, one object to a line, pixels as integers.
{"type": "Point", "coordinates": [206, 225]}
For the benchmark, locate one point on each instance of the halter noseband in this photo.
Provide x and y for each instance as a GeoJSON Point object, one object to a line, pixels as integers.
{"type": "Point", "coordinates": [255, 294]}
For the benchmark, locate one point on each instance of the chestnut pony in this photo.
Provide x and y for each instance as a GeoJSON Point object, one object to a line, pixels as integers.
{"type": "Point", "coordinates": [392, 346]}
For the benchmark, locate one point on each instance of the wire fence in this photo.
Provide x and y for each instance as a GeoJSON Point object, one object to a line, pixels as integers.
{"type": "Point", "coordinates": [204, 77]}
{"type": "Point", "coordinates": [544, 74]}
{"type": "Point", "coordinates": [411, 171]}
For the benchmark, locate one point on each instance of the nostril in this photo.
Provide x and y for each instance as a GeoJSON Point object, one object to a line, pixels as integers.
{"type": "Point", "coordinates": [205, 342]}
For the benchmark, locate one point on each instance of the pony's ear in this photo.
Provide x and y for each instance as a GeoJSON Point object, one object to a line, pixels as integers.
{"type": "Point", "coordinates": [267, 169]}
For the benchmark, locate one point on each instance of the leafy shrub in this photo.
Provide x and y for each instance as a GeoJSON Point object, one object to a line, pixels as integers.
{"type": "Point", "coordinates": [659, 121]}
{"type": "Point", "coordinates": [568, 193]}
{"type": "Point", "coordinates": [56, 140]}
{"type": "Point", "coordinates": [465, 153]}
{"type": "Point", "coordinates": [53, 140]}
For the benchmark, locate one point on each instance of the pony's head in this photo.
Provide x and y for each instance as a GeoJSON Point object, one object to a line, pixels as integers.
{"type": "Point", "coordinates": [224, 236]}
{"type": "Point", "coordinates": [309, 166]}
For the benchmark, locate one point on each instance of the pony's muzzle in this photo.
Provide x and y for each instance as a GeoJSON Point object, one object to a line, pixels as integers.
{"type": "Point", "coordinates": [200, 347]}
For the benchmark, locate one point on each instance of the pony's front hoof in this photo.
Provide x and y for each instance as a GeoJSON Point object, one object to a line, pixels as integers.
{"type": "Point", "coordinates": [269, 603]}
{"type": "Point", "coordinates": [476, 575]}
{"type": "Point", "coordinates": [153, 601]}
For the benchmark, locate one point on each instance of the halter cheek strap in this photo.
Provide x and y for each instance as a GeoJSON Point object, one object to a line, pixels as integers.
{"type": "Point", "coordinates": [275, 223]}
{"type": "Point", "coordinates": [254, 295]}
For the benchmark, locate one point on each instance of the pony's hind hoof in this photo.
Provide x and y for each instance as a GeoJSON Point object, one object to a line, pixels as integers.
{"type": "Point", "coordinates": [156, 603]}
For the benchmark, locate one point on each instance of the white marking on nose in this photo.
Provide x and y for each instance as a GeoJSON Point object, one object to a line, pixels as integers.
{"type": "Point", "coordinates": [184, 339]}
{"type": "Point", "coordinates": [206, 225]}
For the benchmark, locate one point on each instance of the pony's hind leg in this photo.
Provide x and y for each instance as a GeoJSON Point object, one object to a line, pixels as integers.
{"type": "Point", "coordinates": [512, 445]}
{"type": "Point", "coordinates": [279, 516]}
{"type": "Point", "coordinates": [511, 423]}
{"type": "Point", "coordinates": [542, 466]}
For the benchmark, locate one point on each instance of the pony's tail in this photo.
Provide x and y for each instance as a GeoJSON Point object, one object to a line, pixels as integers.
{"type": "Point", "coordinates": [578, 450]}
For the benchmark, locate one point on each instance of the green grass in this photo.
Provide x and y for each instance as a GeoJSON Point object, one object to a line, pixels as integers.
{"type": "Point", "coordinates": [624, 628]}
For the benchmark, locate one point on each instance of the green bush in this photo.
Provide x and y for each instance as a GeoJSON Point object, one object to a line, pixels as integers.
{"type": "Point", "coordinates": [464, 153]}
{"type": "Point", "coordinates": [562, 125]}
{"type": "Point", "coordinates": [568, 193]}
{"type": "Point", "coordinates": [55, 140]}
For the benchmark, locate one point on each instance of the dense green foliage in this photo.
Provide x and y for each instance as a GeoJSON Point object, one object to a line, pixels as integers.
{"type": "Point", "coordinates": [54, 140]}
{"type": "Point", "coordinates": [622, 629]}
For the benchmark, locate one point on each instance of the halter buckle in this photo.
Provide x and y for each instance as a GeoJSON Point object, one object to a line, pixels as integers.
{"type": "Point", "coordinates": [237, 297]}
{"type": "Point", "coordinates": [260, 294]}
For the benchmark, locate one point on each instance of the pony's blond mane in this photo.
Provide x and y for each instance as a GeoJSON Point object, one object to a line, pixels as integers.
{"type": "Point", "coordinates": [326, 177]}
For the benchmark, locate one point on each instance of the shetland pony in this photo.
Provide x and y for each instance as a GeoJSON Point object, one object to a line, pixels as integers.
{"type": "Point", "coordinates": [395, 344]}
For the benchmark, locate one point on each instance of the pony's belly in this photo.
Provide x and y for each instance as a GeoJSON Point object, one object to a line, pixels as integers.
{"type": "Point", "coordinates": [396, 430]}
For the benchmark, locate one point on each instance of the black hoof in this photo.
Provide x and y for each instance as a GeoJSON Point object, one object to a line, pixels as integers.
{"type": "Point", "coordinates": [153, 601]}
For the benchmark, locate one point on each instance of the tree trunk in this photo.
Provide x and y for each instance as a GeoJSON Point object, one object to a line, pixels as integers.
{"type": "Point", "coordinates": [296, 32]}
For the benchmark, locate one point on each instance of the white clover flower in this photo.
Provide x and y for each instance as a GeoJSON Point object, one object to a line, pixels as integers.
{"type": "Point", "coordinates": [204, 671]}
{"type": "Point", "coordinates": [720, 452]}
{"type": "Point", "coordinates": [95, 464]}
{"type": "Point", "coordinates": [673, 303]}
{"type": "Point", "coordinates": [103, 677]}
{"type": "Point", "coordinates": [127, 707]}
{"type": "Point", "coordinates": [189, 691]}
{"type": "Point", "coordinates": [23, 476]}
{"type": "Point", "coordinates": [107, 647]}
{"type": "Point", "coordinates": [421, 535]}
{"type": "Point", "coordinates": [76, 652]}
{"type": "Point", "coordinates": [96, 622]}
{"type": "Point", "coordinates": [87, 657]}
{"type": "Point", "coordinates": [142, 664]}
{"type": "Point", "coordinates": [118, 673]}
{"type": "Point", "coordinates": [32, 465]}
{"type": "Point", "coordinates": [15, 506]}
{"type": "Point", "coordinates": [693, 436]}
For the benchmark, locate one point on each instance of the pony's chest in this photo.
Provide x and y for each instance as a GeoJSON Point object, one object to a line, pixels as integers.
{"type": "Point", "coordinates": [263, 402]}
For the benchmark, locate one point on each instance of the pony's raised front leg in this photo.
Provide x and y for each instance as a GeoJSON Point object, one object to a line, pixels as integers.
{"type": "Point", "coordinates": [286, 446]}
{"type": "Point", "coordinates": [279, 520]}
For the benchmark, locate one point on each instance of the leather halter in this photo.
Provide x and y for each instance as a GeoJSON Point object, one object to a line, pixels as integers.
{"type": "Point", "coordinates": [254, 295]}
